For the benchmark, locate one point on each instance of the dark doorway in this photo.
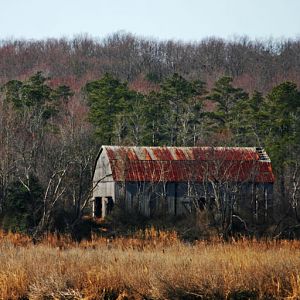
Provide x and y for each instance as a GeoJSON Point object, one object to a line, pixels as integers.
{"type": "Point", "coordinates": [110, 205]}
{"type": "Point", "coordinates": [98, 207]}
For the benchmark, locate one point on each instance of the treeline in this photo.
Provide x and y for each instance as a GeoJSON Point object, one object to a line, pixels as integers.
{"type": "Point", "coordinates": [253, 64]}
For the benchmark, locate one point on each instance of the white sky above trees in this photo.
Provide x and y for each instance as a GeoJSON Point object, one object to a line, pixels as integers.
{"type": "Point", "coordinates": [187, 20]}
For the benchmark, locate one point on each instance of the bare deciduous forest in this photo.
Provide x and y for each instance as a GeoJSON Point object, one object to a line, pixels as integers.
{"type": "Point", "coordinates": [254, 65]}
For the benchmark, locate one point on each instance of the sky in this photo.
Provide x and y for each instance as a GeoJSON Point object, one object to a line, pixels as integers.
{"type": "Point", "coordinates": [187, 20]}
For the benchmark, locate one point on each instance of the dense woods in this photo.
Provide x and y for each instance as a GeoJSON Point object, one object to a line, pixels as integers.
{"type": "Point", "coordinates": [254, 64]}
{"type": "Point", "coordinates": [62, 99]}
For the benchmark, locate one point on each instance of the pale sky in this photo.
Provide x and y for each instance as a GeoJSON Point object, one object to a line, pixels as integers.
{"type": "Point", "coordinates": [188, 20]}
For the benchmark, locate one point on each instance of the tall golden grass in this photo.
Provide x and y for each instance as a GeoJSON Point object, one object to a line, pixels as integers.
{"type": "Point", "coordinates": [149, 265]}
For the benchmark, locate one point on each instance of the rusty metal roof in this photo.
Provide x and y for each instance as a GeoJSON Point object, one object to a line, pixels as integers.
{"type": "Point", "coordinates": [179, 164]}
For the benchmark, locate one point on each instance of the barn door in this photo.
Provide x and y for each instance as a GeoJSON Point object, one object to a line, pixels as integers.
{"type": "Point", "coordinates": [98, 207]}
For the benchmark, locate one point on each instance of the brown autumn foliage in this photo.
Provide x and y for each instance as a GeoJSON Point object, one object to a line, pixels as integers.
{"type": "Point", "coordinates": [254, 64]}
{"type": "Point", "coordinates": [149, 265]}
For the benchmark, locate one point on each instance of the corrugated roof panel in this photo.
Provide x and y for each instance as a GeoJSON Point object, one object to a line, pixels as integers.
{"type": "Point", "coordinates": [199, 153]}
{"type": "Point", "coordinates": [110, 153]}
{"type": "Point", "coordinates": [162, 153]}
{"type": "Point", "coordinates": [179, 154]}
{"type": "Point", "coordinates": [145, 153]}
{"type": "Point", "coordinates": [188, 164]}
{"type": "Point", "coordinates": [131, 154]}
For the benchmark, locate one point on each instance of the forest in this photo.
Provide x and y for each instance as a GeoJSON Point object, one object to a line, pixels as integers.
{"type": "Point", "coordinates": [61, 99]}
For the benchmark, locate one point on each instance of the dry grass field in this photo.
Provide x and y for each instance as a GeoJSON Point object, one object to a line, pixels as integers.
{"type": "Point", "coordinates": [149, 265]}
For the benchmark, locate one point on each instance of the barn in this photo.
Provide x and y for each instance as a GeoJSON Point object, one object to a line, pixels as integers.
{"type": "Point", "coordinates": [178, 180]}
